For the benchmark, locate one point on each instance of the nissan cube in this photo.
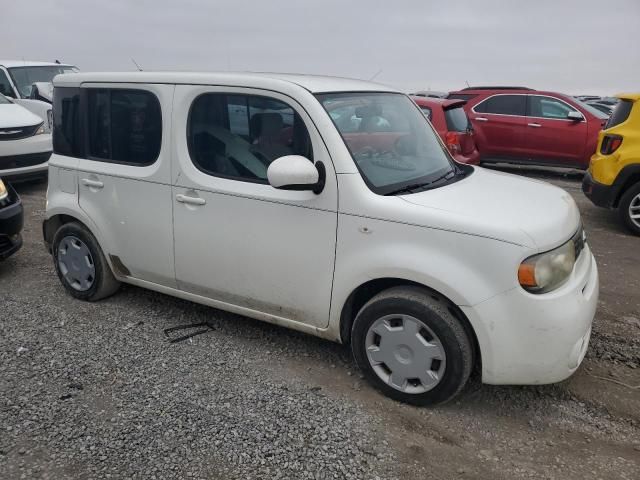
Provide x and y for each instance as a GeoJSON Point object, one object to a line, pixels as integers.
{"type": "Point", "coordinates": [326, 205]}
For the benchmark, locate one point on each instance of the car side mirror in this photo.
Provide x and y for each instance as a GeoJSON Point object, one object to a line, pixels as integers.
{"type": "Point", "coordinates": [295, 172]}
{"type": "Point", "coordinates": [575, 116]}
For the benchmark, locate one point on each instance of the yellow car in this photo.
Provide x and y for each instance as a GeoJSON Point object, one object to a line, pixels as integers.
{"type": "Point", "coordinates": [613, 178]}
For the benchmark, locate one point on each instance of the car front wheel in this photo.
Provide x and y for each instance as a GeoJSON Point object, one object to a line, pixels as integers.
{"type": "Point", "coordinates": [411, 347]}
{"type": "Point", "coordinates": [81, 265]}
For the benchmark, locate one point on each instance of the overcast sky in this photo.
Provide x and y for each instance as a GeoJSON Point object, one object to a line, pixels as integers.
{"type": "Point", "coordinates": [577, 47]}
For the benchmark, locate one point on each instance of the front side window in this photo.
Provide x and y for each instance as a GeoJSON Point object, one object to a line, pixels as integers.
{"type": "Point", "coordinates": [4, 100]}
{"type": "Point", "coordinates": [5, 85]}
{"type": "Point", "coordinates": [548, 107]}
{"type": "Point", "coordinates": [503, 105]}
{"type": "Point", "coordinates": [125, 126]}
{"type": "Point", "coordinates": [392, 144]}
{"type": "Point", "coordinates": [67, 135]}
{"type": "Point", "coordinates": [25, 77]}
{"type": "Point", "coordinates": [238, 136]}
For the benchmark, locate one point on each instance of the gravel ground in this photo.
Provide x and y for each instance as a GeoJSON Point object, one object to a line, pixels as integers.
{"type": "Point", "coordinates": [97, 391]}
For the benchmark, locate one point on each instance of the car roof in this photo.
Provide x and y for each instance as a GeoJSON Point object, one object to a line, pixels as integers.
{"type": "Point", "coordinates": [629, 96]}
{"type": "Point", "coordinates": [312, 83]}
{"type": "Point", "coordinates": [26, 63]}
{"type": "Point", "coordinates": [442, 102]}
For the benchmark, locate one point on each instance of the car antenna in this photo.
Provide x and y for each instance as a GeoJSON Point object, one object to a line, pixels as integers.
{"type": "Point", "coordinates": [468, 86]}
{"type": "Point", "coordinates": [137, 66]}
{"type": "Point", "coordinates": [57, 61]}
{"type": "Point", "coordinates": [376, 74]}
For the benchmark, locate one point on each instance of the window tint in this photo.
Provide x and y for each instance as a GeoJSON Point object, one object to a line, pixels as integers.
{"type": "Point", "coordinates": [503, 105]}
{"type": "Point", "coordinates": [457, 120]}
{"type": "Point", "coordinates": [125, 126]}
{"type": "Point", "coordinates": [620, 113]}
{"type": "Point", "coordinates": [66, 122]}
{"type": "Point", "coordinates": [547, 107]}
{"type": "Point", "coordinates": [426, 111]}
{"type": "Point", "coordinates": [238, 136]}
{"type": "Point", "coordinates": [5, 86]}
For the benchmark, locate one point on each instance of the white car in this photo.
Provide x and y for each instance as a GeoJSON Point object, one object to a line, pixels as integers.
{"type": "Point", "coordinates": [25, 147]}
{"type": "Point", "coordinates": [30, 85]}
{"type": "Point", "coordinates": [240, 192]}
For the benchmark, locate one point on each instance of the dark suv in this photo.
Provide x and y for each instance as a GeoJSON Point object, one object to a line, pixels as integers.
{"type": "Point", "coordinates": [522, 125]}
{"type": "Point", "coordinates": [11, 218]}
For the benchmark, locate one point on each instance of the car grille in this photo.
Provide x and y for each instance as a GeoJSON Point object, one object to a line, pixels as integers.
{"type": "Point", "coordinates": [20, 161]}
{"type": "Point", "coordinates": [17, 133]}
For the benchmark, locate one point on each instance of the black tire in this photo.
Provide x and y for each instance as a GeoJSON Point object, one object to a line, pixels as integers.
{"type": "Point", "coordinates": [432, 311]}
{"type": "Point", "coordinates": [104, 283]}
{"type": "Point", "coordinates": [623, 208]}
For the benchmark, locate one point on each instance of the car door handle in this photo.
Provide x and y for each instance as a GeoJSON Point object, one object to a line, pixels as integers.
{"type": "Point", "coordinates": [190, 200]}
{"type": "Point", "coordinates": [481, 119]}
{"type": "Point", "coordinates": [92, 183]}
{"type": "Point", "coordinates": [535, 125]}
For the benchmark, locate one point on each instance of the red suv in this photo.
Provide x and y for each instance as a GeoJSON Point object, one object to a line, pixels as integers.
{"type": "Point", "coordinates": [450, 121]}
{"type": "Point", "coordinates": [522, 125]}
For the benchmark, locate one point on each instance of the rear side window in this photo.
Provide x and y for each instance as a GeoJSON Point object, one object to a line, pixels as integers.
{"type": "Point", "coordinates": [125, 126]}
{"type": "Point", "coordinates": [457, 120]}
{"type": "Point", "coordinates": [620, 113]}
{"type": "Point", "coordinates": [503, 105]}
{"type": "Point", "coordinates": [238, 136]}
{"type": "Point", "coordinates": [67, 134]}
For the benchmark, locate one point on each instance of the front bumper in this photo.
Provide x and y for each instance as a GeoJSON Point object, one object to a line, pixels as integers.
{"type": "Point", "coordinates": [25, 157]}
{"type": "Point", "coordinates": [600, 195]}
{"type": "Point", "coordinates": [528, 339]}
{"type": "Point", "coordinates": [11, 221]}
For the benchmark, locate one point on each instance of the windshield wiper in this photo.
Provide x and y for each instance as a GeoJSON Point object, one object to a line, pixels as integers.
{"type": "Point", "coordinates": [414, 186]}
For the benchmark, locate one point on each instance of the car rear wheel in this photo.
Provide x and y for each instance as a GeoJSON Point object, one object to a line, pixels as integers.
{"type": "Point", "coordinates": [411, 347]}
{"type": "Point", "coordinates": [629, 209]}
{"type": "Point", "coordinates": [81, 265]}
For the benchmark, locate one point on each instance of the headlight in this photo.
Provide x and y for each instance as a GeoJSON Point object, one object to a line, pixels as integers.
{"type": "Point", "coordinates": [40, 129]}
{"type": "Point", "coordinates": [547, 271]}
{"type": "Point", "coordinates": [3, 191]}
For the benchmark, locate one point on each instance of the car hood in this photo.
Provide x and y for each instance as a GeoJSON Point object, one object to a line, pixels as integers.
{"type": "Point", "coordinates": [505, 207]}
{"type": "Point", "coordinates": [12, 115]}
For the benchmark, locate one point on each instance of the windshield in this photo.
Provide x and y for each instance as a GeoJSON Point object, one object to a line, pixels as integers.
{"type": "Point", "coordinates": [24, 77]}
{"type": "Point", "coordinates": [390, 140]}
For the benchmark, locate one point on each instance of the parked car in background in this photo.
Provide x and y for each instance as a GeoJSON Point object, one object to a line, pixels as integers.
{"type": "Point", "coordinates": [450, 121]}
{"type": "Point", "coordinates": [613, 178]}
{"type": "Point", "coordinates": [29, 84]}
{"type": "Point", "coordinates": [223, 189]}
{"type": "Point", "coordinates": [11, 220]}
{"type": "Point", "coordinates": [605, 108]}
{"type": "Point", "coordinates": [430, 94]}
{"type": "Point", "coordinates": [25, 147]}
{"type": "Point", "coordinates": [526, 126]}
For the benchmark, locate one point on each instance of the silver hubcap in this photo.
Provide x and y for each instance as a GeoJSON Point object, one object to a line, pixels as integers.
{"type": "Point", "coordinates": [76, 263]}
{"type": "Point", "coordinates": [634, 210]}
{"type": "Point", "coordinates": [405, 353]}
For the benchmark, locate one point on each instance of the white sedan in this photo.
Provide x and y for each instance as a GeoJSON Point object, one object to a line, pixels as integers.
{"type": "Point", "coordinates": [25, 147]}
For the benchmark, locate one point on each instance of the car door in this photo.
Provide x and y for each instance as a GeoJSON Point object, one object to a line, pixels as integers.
{"type": "Point", "coordinates": [552, 137]}
{"type": "Point", "coordinates": [124, 181]}
{"type": "Point", "coordinates": [500, 126]}
{"type": "Point", "coordinates": [238, 240]}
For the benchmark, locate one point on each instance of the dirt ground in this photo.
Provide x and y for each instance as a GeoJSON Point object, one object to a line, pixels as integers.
{"type": "Point", "coordinates": [587, 427]}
